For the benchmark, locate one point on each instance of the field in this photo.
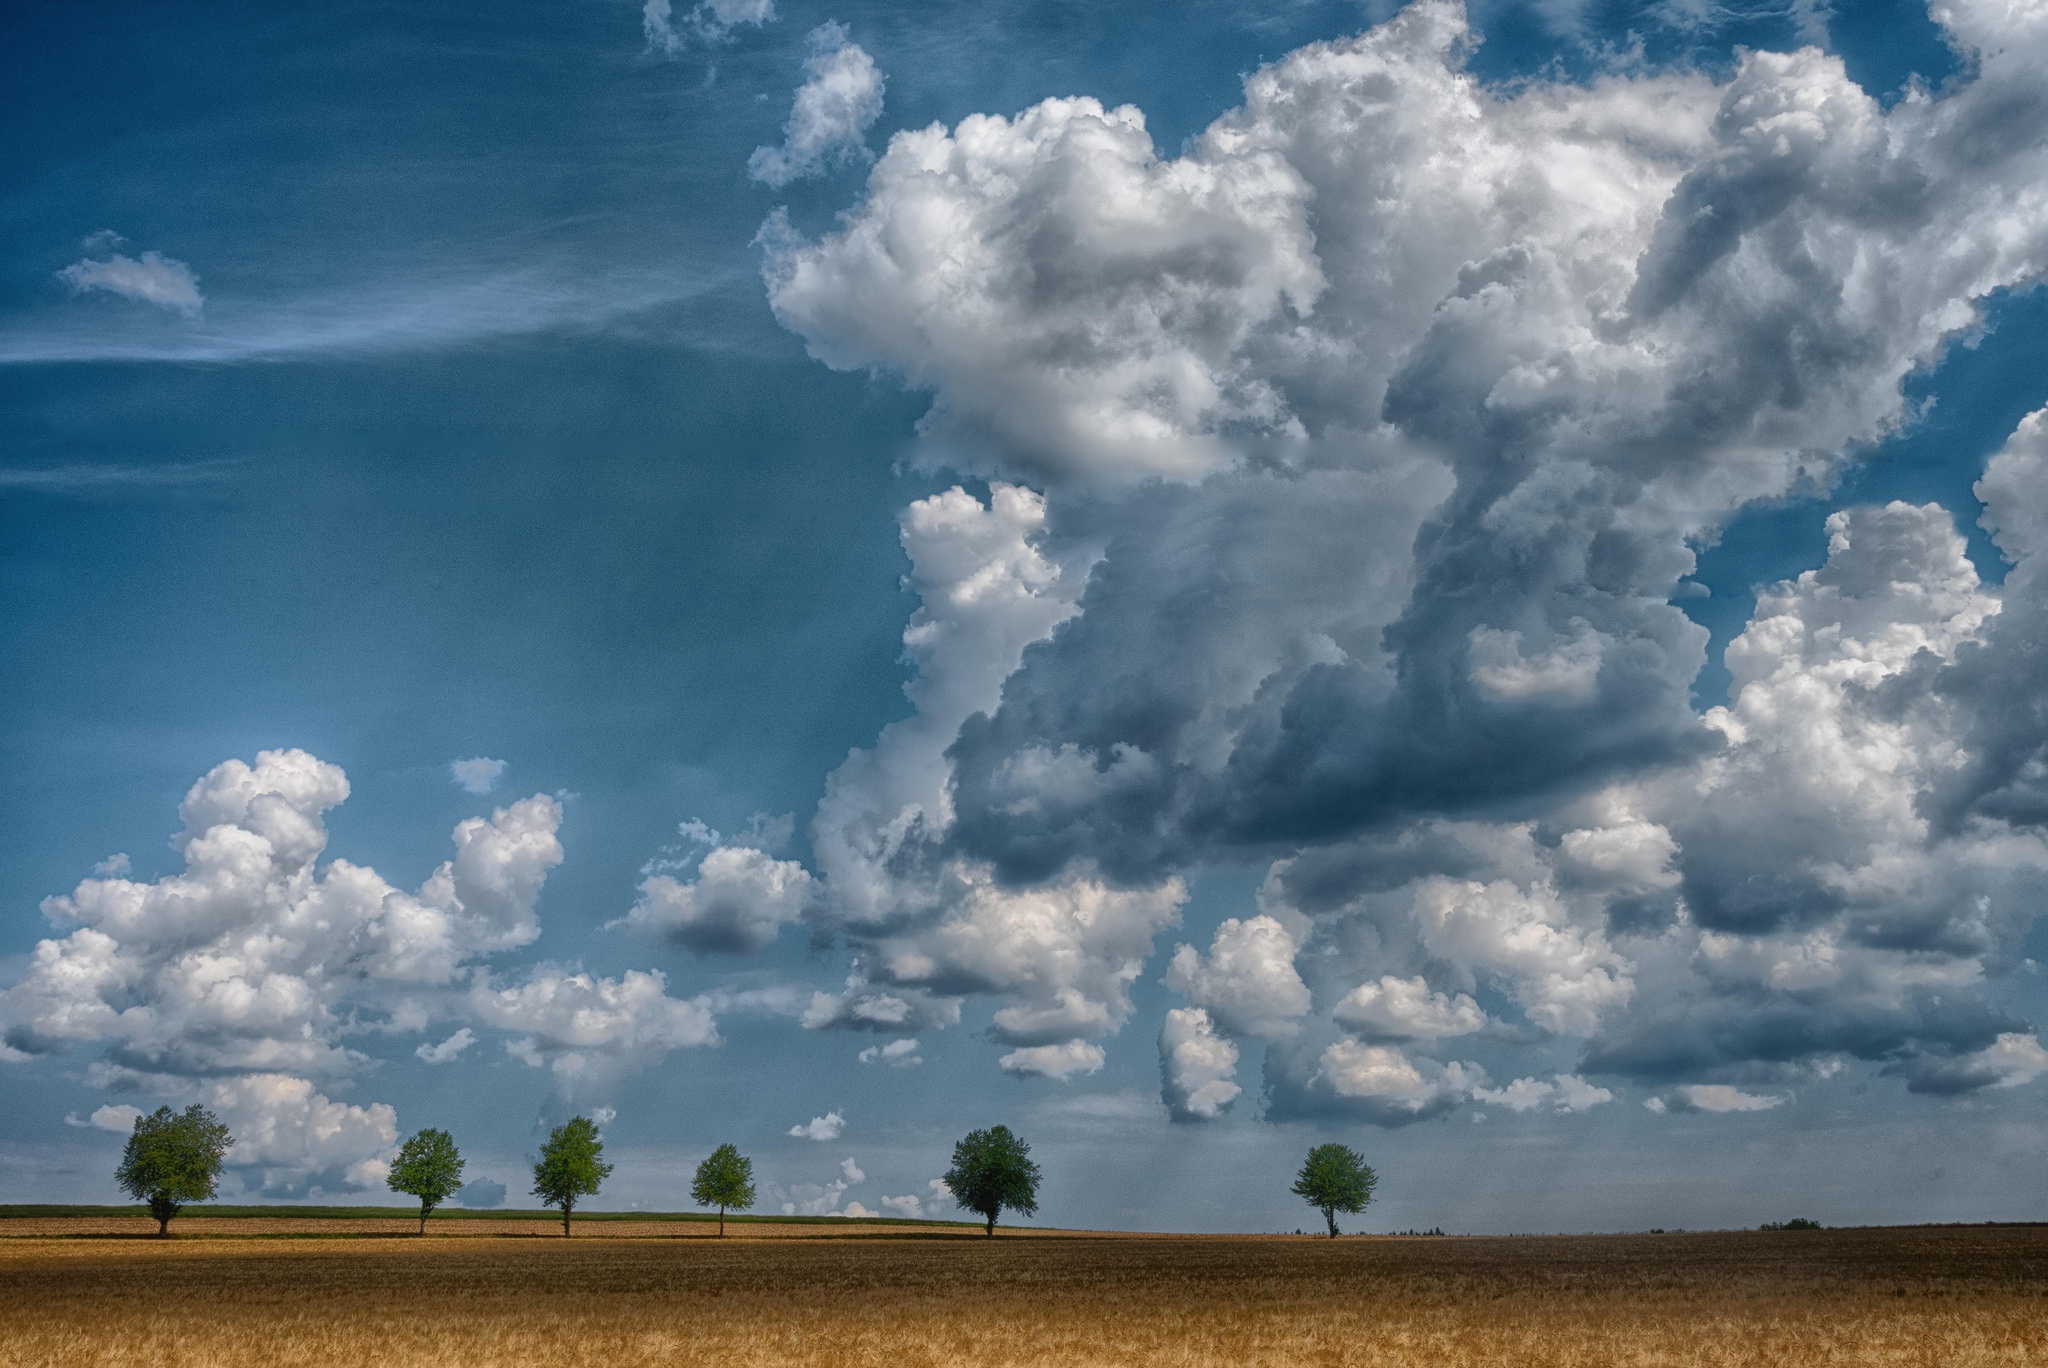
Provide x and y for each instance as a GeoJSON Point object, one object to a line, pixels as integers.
{"type": "Point", "coordinates": [909, 1296]}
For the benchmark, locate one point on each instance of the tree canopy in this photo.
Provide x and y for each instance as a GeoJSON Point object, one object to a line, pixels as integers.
{"type": "Point", "coordinates": [428, 1167]}
{"type": "Point", "coordinates": [724, 1180]}
{"type": "Point", "coordinates": [992, 1169]}
{"type": "Point", "coordinates": [571, 1165]}
{"type": "Point", "coordinates": [173, 1158]}
{"type": "Point", "coordinates": [1335, 1179]}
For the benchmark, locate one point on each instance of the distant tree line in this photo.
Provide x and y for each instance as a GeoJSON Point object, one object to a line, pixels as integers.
{"type": "Point", "coordinates": [175, 1158]}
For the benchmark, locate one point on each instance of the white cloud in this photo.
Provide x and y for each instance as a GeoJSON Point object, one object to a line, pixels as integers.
{"type": "Point", "coordinates": [1062, 1062]}
{"type": "Point", "coordinates": [448, 1050]}
{"type": "Point", "coordinates": [822, 1199]}
{"type": "Point", "coordinates": [152, 278]}
{"type": "Point", "coordinates": [237, 980]}
{"type": "Point", "coordinates": [1718, 1098]}
{"type": "Point", "coordinates": [988, 588]}
{"type": "Point", "coordinates": [841, 97]}
{"type": "Point", "coordinates": [1565, 1093]}
{"type": "Point", "coordinates": [710, 20]}
{"type": "Point", "coordinates": [1383, 1081]}
{"type": "Point", "coordinates": [1397, 1008]}
{"type": "Point", "coordinates": [910, 1206]}
{"type": "Point", "coordinates": [478, 775]}
{"type": "Point", "coordinates": [1069, 295]}
{"type": "Point", "coordinates": [1248, 983]}
{"type": "Point", "coordinates": [739, 901]}
{"type": "Point", "coordinates": [113, 867]}
{"type": "Point", "coordinates": [828, 1127]}
{"type": "Point", "coordinates": [589, 1031]}
{"type": "Point", "coordinates": [1609, 314]}
{"type": "Point", "coordinates": [118, 1117]}
{"type": "Point", "coordinates": [300, 1139]}
{"type": "Point", "coordinates": [249, 959]}
{"type": "Point", "coordinates": [1575, 1094]}
{"type": "Point", "coordinates": [1564, 975]}
{"type": "Point", "coordinates": [897, 1054]}
{"type": "Point", "coordinates": [1197, 1067]}
{"type": "Point", "coordinates": [1524, 1094]}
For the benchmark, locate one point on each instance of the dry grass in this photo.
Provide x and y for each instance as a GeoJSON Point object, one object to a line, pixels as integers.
{"type": "Point", "coordinates": [451, 1226]}
{"type": "Point", "coordinates": [1949, 1297]}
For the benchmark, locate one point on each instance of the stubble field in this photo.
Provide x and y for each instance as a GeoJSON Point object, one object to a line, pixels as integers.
{"type": "Point", "coordinates": [1952, 1297]}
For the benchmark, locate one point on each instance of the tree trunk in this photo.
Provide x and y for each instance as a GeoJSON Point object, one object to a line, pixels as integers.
{"type": "Point", "coordinates": [163, 1208]}
{"type": "Point", "coordinates": [423, 1220]}
{"type": "Point", "coordinates": [1330, 1215]}
{"type": "Point", "coordinates": [163, 1227]}
{"type": "Point", "coordinates": [721, 1220]}
{"type": "Point", "coordinates": [566, 1208]}
{"type": "Point", "coordinates": [991, 1227]}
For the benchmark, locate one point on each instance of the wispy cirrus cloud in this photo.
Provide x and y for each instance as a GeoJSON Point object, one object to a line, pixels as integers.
{"type": "Point", "coordinates": [376, 317]}
{"type": "Point", "coordinates": [87, 479]}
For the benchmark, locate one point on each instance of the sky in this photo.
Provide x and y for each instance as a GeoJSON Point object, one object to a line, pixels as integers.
{"type": "Point", "coordinates": [1190, 579]}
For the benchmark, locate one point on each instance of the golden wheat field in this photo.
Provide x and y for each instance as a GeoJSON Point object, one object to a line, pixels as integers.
{"type": "Point", "coordinates": [1941, 1297]}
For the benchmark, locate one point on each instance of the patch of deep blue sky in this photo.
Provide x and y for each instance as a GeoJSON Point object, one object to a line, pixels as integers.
{"type": "Point", "coordinates": [487, 444]}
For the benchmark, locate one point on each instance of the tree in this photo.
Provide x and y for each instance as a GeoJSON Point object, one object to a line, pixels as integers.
{"type": "Point", "coordinates": [724, 1180]}
{"type": "Point", "coordinates": [1335, 1179]}
{"type": "Point", "coordinates": [173, 1158]}
{"type": "Point", "coordinates": [992, 1169]}
{"type": "Point", "coordinates": [571, 1165]}
{"type": "Point", "coordinates": [428, 1167]}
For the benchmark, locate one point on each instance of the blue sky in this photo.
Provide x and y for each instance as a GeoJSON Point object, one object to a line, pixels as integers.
{"type": "Point", "coordinates": [916, 587]}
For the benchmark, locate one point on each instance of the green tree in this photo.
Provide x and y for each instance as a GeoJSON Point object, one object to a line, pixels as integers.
{"type": "Point", "coordinates": [428, 1167]}
{"type": "Point", "coordinates": [1335, 1179]}
{"type": "Point", "coordinates": [724, 1180]}
{"type": "Point", "coordinates": [992, 1169]}
{"type": "Point", "coordinates": [571, 1165]}
{"type": "Point", "coordinates": [173, 1158]}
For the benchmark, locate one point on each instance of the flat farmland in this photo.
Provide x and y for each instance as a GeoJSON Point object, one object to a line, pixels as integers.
{"type": "Point", "coordinates": [1945, 1296]}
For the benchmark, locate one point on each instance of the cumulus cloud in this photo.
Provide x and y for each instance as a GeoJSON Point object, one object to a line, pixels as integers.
{"type": "Point", "coordinates": [1379, 1083]}
{"type": "Point", "coordinates": [477, 775]}
{"type": "Point", "coordinates": [1824, 913]}
{"type": "Point", "coordinates": [830, 1126]}
{"type": "Point", "coordinates": [1565, 1093]}
{"type": "Point", "coordinates": [928, 928]}
{"type": "Point", "coordinates": [238, 979]}
{"type": "Point", "coordinates": [897, 1054]}
{"type": "Point", "coordinates": [118, 1117]}
{"type": "Point", "coordinates": [1562, 974]}
{"type": "Point", "coordinates": [841, 97]}
{"type": "Point", "coordinates": [1247, 983]}
{"type": "Point", "coordinates": [1061, 1062]}
{"type": "Point", "coordinates": [1715, 1098]}
{"type": "Point", "coordinates": [448, 1050]}
{"type": "Point", "coordinates": [822, 1199]}
{"type": "Point", "coordinates": [240, 960]}
{"type": "Point", "coordinates": [151, 278]}
{"type": "Point", "coordinates": [1405, 1009]}
{"type": "Point", "coordinates": [1197, 1067]}
{"type": "Point", "coordinates": [299, 1139]}
{"type": "Point", "coordinates": [737, 904]}
{"type": "Point", "coordinates": [589, 1031]}
{"type": "Point", "coordinates": [1376, 432]}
